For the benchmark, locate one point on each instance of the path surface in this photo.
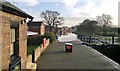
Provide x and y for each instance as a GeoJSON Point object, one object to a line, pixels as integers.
{"type": "Point", "coordinates": [82, 57]}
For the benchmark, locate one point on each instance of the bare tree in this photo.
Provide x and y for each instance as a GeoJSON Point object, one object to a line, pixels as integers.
{"type": "Point", "coordinates": [52, 18]}
{"type": "Point", "coordinates": [104, 20]}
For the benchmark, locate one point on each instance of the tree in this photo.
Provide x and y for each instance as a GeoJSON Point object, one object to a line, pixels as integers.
{"type": "Point", "coordinates": [52, 18]}
{"type": "Point", "coordinates": [58, 21]}
{"type": "Point", "coordinates": [87, 27]}
{"type": "Point", "coordinates": [104, 20]}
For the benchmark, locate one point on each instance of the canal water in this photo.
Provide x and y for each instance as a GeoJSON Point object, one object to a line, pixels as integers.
{"type": "Point", "coordinates": [67, 38]}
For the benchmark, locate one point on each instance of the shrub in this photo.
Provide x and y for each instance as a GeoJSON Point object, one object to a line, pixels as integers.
{"type": "Point", "coordinates": [33, 42]}
{"type": "Point", "coordinates": [50, 36]}
{"type": "Point", "coordinates": [30, 49]}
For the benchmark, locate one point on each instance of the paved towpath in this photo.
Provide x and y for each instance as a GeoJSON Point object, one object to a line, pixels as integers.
{"type": "Point", "coordinates": [82, 57]}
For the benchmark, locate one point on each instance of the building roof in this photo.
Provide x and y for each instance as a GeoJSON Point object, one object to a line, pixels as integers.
{"type": "Point", "coordinates": [31, 33]}
{"type": "Point", "coordinates": [9, 8]}
{"type": "Point", "coordinates": [35, 23]}
{"type": "Point", "coordinates": [65, 27]}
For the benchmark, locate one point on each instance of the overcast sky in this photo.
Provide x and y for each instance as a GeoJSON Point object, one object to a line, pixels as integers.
{"type": "Point", "coordinates": [74, 11]}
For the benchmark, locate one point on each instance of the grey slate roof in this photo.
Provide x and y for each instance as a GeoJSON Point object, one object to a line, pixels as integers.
{"type": "Point", "coordinates": [8, 7]}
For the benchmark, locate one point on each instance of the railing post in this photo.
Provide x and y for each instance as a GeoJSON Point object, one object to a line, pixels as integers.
{"type": "Point", "coordinates": [89, 39]}
{"type": "Point", "coordinates": [112, 39]}
{"type": "Point", "coordinates": [33, 56]}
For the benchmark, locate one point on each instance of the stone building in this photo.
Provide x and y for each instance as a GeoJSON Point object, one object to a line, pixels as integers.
{"type": "Point", "coordinates": [13, 37]}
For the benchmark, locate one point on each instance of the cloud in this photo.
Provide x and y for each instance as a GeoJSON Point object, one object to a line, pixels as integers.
{"type": "Point", "coordinates": [74, 11]}
{"type": "Point", "coordinates": [71, 21]}
{"type": "Point", "coordinates": [91, 9]}
{"type": "Point", "coordinates": [70, 3]}
{"type": "Point", "coordinates": [57, 4]}
{"type": "Point", "coordinates": [35, 15]}
{"type": "Point", "coordinates": [110, 7]}
{"type": "Point", "coordinates": [27, 2]}
{"type": "Point", "coordinates": [70, 6]}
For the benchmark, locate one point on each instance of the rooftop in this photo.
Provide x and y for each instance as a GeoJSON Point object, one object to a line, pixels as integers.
{"type": "Point", "coordinates": [9, 8]}
{"type": "Point", "coordinates": [35, 23]}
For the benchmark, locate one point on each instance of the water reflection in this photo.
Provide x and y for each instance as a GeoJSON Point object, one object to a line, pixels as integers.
{"type": "Point", "coordinates": [67, 38]}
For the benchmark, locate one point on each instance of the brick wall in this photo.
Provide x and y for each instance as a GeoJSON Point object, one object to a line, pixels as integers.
{"type": "Point", "coordinates": [6, 17]}
{"type": "Point", "coordinates": [40, 50]}
{"type": "Point", "coordinates": [34, 28]}
{"type": "Point", "coordinates": [0, 58]}
{"type": "Point", "coordinates": [23, 44]}
{"type": "Point", "coordinates": [0, 42]}
{"type": "Point", "coordinates": [29, 59]}
{"type": "Point", "coordinates": [42, 29]}
{"type": "Point", "coordinates": [38, 29]}
{"type": "Point", "coordinates": [37, 54]}
{"type": "Point", "coordinates": [5, 41]}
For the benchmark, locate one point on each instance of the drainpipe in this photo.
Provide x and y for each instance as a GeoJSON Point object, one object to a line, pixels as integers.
{"type": "Point", "coordinates": [31, 19]}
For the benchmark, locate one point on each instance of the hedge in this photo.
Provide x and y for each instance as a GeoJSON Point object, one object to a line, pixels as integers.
{"type": "Point", "coordinates": [50, 36]}
{"type": "Point", "coordinates": [35, 41]}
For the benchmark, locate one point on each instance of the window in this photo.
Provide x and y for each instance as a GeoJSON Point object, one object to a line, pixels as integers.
{"type": "Point", "coordinates": [14, 35]}
{"type": "Point", "coordinates": [12, 40]}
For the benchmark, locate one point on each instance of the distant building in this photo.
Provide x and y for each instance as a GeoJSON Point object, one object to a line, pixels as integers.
{"type": "Point", "coordinates": [73, 28]}
{"type": "Point", "coordinates": [13, 38]}
{"type": "Point", "coordinates": [37, 26]}
{"type": "Point", "coordinates": [30, 33]}
{"type": "Point", "coordinates": [47, 29]}
{"type": "Point", "coordinates": [65, 30]}
{"type": "Point", "coordinates": [59, 31]}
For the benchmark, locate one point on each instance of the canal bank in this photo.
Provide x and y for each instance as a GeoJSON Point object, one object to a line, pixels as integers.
{"type": "Point", "coordinates": [111, 50]}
